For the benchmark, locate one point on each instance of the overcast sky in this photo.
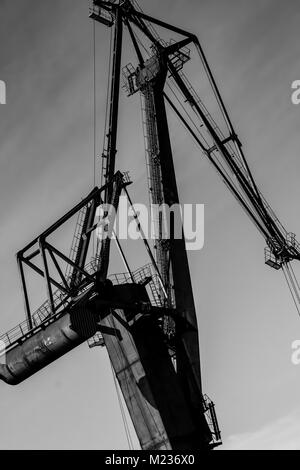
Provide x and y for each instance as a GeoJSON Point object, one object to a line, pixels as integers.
{"type": "Point", "coordinates": [247, 321]}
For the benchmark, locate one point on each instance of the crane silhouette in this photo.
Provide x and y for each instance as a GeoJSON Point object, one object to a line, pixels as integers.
{"type": "Point", "coordinates": [145, 318]}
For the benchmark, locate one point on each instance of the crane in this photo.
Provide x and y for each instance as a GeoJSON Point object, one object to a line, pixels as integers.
{"type": "Point", "coordinates": [146, 318]}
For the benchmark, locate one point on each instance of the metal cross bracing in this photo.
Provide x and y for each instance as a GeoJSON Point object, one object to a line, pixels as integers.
{"type": "Point", "coordinates": [60, 299]}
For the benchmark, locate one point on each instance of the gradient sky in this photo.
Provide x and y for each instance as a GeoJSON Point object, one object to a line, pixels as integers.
{"type": "Point", "coordinates": [247, 321]}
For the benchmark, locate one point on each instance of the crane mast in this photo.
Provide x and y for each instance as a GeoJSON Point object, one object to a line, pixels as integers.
{"type": "Point", "coordinates": [146, 318]}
